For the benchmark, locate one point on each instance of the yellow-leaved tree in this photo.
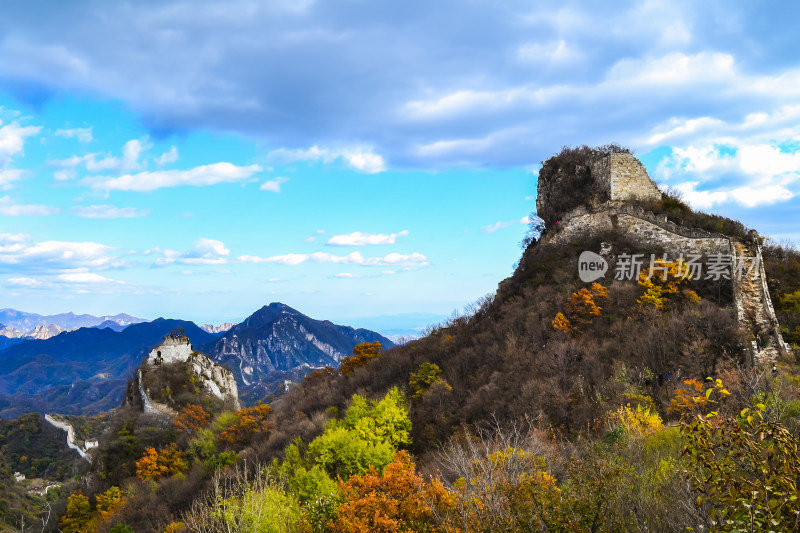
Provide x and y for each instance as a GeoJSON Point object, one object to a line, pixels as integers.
{"type": "Point", "coordinates": [581, 309]}
{"type": "Point", "coordinates": [665, 283]}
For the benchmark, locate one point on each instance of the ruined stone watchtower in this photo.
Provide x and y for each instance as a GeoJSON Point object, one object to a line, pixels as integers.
{"type": "Point", "coordinates": [588, 191]}
{"type": "Point", "coordinates": [623, 177]}
{"type": "Point", "coordinates": [173, 348]}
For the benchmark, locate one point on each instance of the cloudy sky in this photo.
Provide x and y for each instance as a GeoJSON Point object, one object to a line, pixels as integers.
{"type": "Point", "coordinates": [352, 158]}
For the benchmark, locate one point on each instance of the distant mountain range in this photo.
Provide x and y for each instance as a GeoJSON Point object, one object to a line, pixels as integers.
{"type": "Point", "coordinates": [222, 328]}
{"type": "Point", "coordinates": [23, 321]}
{"type": "Point", "coordinates": [79, 371]}
{"type": "Point", "coordinates": [85, 371]}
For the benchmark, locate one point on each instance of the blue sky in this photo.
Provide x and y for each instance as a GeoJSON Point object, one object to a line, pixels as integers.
{"type": "Point", "coordinates": [355, 159]}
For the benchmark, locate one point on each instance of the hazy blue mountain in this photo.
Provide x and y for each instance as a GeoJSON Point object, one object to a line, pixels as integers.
{"type": "Point", "coordinates": [85, 371]}
{"type": "Point", "coordinates": [26, 321]}
{"type": "Point", "coordinates": [116, 326]}
{"type": "Point", "coordinates": [97, 362]}
{"type": "Point", "coordinates": [5, 342]}
{"type": "Point", "coordinates": [276, 340]}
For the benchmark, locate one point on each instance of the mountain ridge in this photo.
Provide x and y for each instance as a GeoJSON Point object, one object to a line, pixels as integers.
{"type": "Point", "coordinates": [25, 321]}
{"type": "Point", "coordinates": [48, 374]}
{"type": "Point", "coordinates": [277, 339]}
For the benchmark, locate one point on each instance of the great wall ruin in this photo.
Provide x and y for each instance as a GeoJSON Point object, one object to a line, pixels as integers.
{"type": "Point", "coordinates": [621, 186]}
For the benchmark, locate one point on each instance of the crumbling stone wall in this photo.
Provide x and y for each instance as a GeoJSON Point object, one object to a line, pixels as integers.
{"type": "Point", "coordinates": [641, 227]}
{"type": "Point", "coordinates": [593, 177]}
{"type": "Point", "coordinates": [624, 177]}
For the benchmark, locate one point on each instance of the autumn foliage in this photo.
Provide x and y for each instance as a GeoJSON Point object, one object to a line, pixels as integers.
{"type": "Point", "coordinates": [392, 502]}
{"type": "Point", "coordinates": [428, 376]}
{"type": "Point", "coordinates": [666, 284]}
{"type": "Point", "coordinates": [166, 462]}
{"type": "Point", "coordinates": [693, 397]}
{"type": "Point", "coordinates": [77, 515]}
{"type": "Point", "coordinates": [581, 309]}
{"type": "Point", "coordinates": [251, 421]}
{"type": "Point", "coordinates": [362, 354]}
{"type": "Point", "coordinates": [745, 470]}
{"type": "Point", "coordinates": [109, 502]}
{"type": "Point", "coordinates": [191, 419]}
{"type": "Point", "coordinates": [639, 421]}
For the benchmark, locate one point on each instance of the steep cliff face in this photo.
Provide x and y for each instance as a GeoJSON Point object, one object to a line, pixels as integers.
{"type": "Point", "coordinates": [45, 332]}
{"type": "Point", "coordinates": [38, 332]}
{"type": "Point", "coordinates": [11, 333]}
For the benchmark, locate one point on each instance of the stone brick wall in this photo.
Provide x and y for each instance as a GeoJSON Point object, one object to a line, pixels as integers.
{"type": "Point", "coordinates": [624, 177]}
{"type": "Point", "coordinates": [643, 227]}
{"type": "Point", "coordinates": [649, 232]}
{"type": "Point", "coordinates": [171, 350]}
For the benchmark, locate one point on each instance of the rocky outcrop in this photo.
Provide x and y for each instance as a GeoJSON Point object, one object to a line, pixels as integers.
{"type": "Point", "coordinates": [11, 333]}
{"type": "Point", "coordinates": [222, 328]}
{"type": "Point", "coordinates": [44, 332]}
{"type": "Point", "coordinates": [202, 373]}
{"type": "Point", "coordinates": [40, 332]}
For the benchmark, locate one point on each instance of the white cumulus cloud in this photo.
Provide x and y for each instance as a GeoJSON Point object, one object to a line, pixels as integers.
{"type": "Point", "coordinates": [8, 176]}
{"type": "Point", "coordinates": [84, 135]}
{"type": "Point", "coordinates": [85, 277]}
{"type": "Point", "coordinates": [274, 185]}
{"type": "Point", "coordinates": [204, 252]}
{"type": "Point", "coordinates": [358, 238]}
{"type": "Point", "coordinates": [108, 211]}
{"type": "Point", "coordinates": [132, 151]}
{"type": "Point", "coordinates": [361, 159]}
{"type": "Point", "coordinates": [197, 177]}
{"type": "Point", "coordinates": [354, 258]}
{"type": "Point", "coordinates": [491, 228]}
{"type": "Point", "coordinates": [17, 252]}
{"type": "Point", "coordinates": [12, 139]}
{"type": "Point", "coordinates": [748, 170]}
{"type": "Point", "coordinates": [24, 282]}
{"type": "Point", "coordinates": [10, 208]}
{"type": "Point", "coordinates": [167, 157]}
